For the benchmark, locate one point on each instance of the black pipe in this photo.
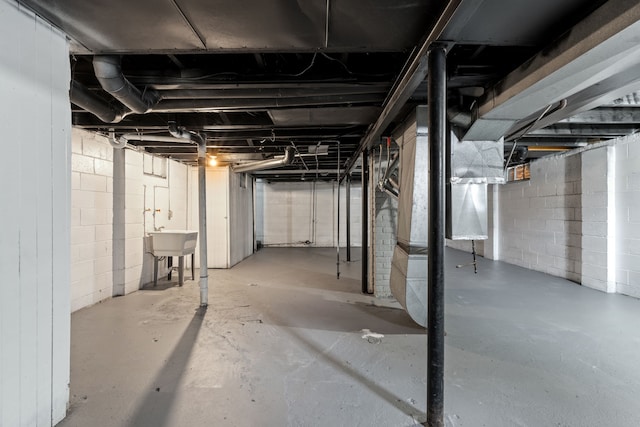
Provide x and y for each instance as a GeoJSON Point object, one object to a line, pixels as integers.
{"type": "Point", "coordinates": [85, 99]}
{"type": "Point", "coordinates": [365, 221]}
{"type": "Point", "coordinates": [437, 96]}
{"type": "Point", "coordinates": [348, 215]}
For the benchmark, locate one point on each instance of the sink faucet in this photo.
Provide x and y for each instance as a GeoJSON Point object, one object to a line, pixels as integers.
{"type": "Point", "coordinates": [158, 228]}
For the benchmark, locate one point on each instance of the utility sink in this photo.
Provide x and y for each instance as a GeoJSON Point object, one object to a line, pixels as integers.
{"type": "Point", "coordinates": [173, 242]}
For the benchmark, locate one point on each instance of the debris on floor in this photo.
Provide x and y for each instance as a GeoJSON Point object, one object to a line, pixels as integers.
{"type": "Point", "coordinates": [372, 337]}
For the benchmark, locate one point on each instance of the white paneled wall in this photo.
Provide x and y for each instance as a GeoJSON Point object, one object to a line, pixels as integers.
{"type": "Point", "coordinates": [35, 119]}
{"type": "Point", "coordinates": [230, 226]}
{"type": "Point", "coordinates": [241, 217]}
{"type": "Point", "coordinates": [305, 214]}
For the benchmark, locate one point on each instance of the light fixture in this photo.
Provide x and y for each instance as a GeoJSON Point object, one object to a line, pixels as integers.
{"type": "Point", "coordinates": [213, 161]}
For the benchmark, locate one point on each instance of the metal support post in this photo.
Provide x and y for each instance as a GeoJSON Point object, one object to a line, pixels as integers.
{"type": "Point", "coordinates": [202, 220]}
{"type": "Point", "coordinates": [365, 221]}
{"type": "Point", "coordinates": [348, 215]}
{"type": "Point", "coordinates": [437, 96]}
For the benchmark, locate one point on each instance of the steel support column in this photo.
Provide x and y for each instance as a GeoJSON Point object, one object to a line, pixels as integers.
{"type": "Point", "coordinates": [365, 221]}
{"type": "Point", "coordinates": [437, 96]}
{"type": "Point", "coordinates": [348, 215]}
{"type": "Point", "coordinates": [202, 220]}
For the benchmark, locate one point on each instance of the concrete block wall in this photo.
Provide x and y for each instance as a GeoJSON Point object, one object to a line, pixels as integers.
{"type": "Point", "coordinates": [540, 220]}
{"type": "Point", "coordinates": [112, 208]}
{"type": "Point", "coordinates": [294, 213]}
{"type": "Point", "coordinates": [627, 202]}
{"type": "Point", "coordinates": [598, 227]}
{"type": "Point", "coordinates": [578, 217]}
{"type": "Point", "coordinates": [163, 204]}
{"type": "Point", "coordinates": [91, 219]}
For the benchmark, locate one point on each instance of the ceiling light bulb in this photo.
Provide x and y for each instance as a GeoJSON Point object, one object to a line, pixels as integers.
{"type": "Point", "coordinates": [213, 161]}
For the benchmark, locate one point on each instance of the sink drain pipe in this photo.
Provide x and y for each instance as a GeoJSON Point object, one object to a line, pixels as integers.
{"type": "Point", "coordinates": [202, 205]}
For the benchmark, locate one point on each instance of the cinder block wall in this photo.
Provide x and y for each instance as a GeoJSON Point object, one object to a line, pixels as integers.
{"type": "Point", "coordinates": [113, 202]}
{"type": "Point", "coordinates": [91, 219]}
{"type": "Point", "coordinates": [627, 202]}
{"type": "Point", "coordinates": [578, 217]}
{"type": "Point", "coordinates": [294, 213]}
{"type": "Point", "coordinates": [540, 220]}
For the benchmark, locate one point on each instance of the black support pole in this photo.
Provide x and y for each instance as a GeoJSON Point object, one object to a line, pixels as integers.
{"type": "Point", "coordinates": [348, 215]}
{"type": "Point", "coordinates": [437, 96]}
{"type": "Point", "coordinates": [365, 221]}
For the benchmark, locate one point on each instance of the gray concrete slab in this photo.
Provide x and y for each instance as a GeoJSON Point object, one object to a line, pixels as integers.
{"type": "Point", "coordinates": [281, 344]}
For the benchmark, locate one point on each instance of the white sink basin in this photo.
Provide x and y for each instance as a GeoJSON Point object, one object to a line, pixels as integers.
{"type": "Point", "coordinates": [173, 242]}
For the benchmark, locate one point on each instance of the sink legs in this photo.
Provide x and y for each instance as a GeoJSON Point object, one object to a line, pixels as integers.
{"type": "Point", "coordinates": [170, 265]}
{"type": "Point", "coordinates": [181, 270]}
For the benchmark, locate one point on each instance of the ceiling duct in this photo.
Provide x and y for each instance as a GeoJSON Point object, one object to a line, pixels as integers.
{"type": "Point", "coordinates": [109, 73]}
{"type": "Point", "coordinates": [84, 98]}
{"type": "Point", "coordinates": [267, 164]}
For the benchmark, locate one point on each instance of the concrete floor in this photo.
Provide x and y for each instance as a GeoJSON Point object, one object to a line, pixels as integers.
{"type": "Point", "coordinates": [281, 345]}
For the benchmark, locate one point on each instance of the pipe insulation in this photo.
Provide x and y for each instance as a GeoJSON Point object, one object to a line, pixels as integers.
{"type": "Point", "coordinates": [109, 73]}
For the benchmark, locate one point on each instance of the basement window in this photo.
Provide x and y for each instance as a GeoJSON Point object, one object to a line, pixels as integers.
{"type": "Point", "coordinates": [155, 166]}
{"type": "Point", "coordinates": [519, 173]}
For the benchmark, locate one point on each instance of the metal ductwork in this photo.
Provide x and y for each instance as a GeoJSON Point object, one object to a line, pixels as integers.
{"type": "Point", "coordinates": [409, 264]}
{"type": "Point", "coordinates": [474, 165]}
{"type": "Point", "coordinates": [267, 164]}
{"type": "Point", "coordinates": [109, 73]}
{"type": "Point", "coordinates": [84, 98]}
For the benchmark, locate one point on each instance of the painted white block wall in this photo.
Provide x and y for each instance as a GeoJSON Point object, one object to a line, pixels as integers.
{"type": "Point", "coordinates": [578, 217]}
{"type": "Point", "coordinates": [294, 213]}
{"type": "Point", "coordinates": [91, 219]}
{"type": "Point", "coordinates": [597, 239]}
{"type": "Point", "coordinates": [164, 204]}
{"type": "Point", "coordinates": [627, 201]}
{"type": "Point", "coordinates": [35, 119]}
{"type": "Point", "coordinates": [540, 220]}
{"type": "Point", "coordinates": [108, 256]}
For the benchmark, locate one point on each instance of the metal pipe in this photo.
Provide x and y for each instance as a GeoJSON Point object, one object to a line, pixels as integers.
{"type": "Point", "coordinates": [239, 104]}
{"type": "Point", "coordinates": [234, 92]}
{"type": "Point", "coordinates": [84, 98]}
{"type": "Point", "coordinates": [202, 204]}
{"type": "Point", "coordinates": [267, 164]}
{"type": "Point", "coordinates": [437, 125]}
{"type": "Point", "coordinates": [109, 73]}
{"type": "Point", "coordinates": [202, 220]}
{"type": "Point", "coordinates": [338, 224]}
{"type": "Point", "coordinates": [348, 215]}
{"type": "Point", "coordinates": [156, 138]}
{"type": "Point", "coordinates": [365, 221]}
